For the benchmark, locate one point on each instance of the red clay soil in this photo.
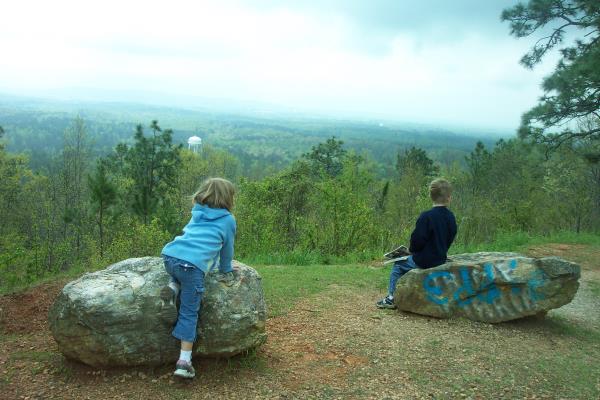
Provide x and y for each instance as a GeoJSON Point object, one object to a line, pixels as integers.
{"type": "Point", "coordinates": [27, 312]}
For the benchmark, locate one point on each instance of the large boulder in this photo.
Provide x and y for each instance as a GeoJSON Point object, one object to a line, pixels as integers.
{"type": "Point", "coordinates": [489, 287]}
{"type": "Point", "coordinates": [115, 317]}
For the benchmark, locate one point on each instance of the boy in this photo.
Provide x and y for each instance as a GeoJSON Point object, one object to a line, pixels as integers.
{"type": "Point", "coordinates": [429, 242]}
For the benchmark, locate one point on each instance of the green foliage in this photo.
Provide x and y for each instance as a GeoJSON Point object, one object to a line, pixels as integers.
{"type": "Point", "coordinates": [415, 160]}
{"type": "Point", "coordinates": [151, 164]}
{"type": "Point", "coordinates": [327, 157]}
{"type": "Point", "coordinates": [572, 91]}
{"type": "Point", "coordinates": [73, 191]}
{"type": "Point", "coordinates": [407, 196]}
{"type": "Point", "coordinates": [103, 195]}
{"type": "Point", "coordinates": [330, 206]}
{"type": "Point", "coordinates": [298, 211]}
{"type": "Point", "coordinates": [136, 239]}
{"type": "Point", "coordinates": [272, 213]}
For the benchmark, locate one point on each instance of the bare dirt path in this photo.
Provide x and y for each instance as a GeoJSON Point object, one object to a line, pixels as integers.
{"type": "Point", "coordinates": [585, 307]}
{"type": "Point", "coordinates": [333, 345]}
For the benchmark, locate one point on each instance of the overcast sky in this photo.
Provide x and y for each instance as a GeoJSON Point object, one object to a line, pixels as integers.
{"type": "Point", "coordinates": [427, 61]}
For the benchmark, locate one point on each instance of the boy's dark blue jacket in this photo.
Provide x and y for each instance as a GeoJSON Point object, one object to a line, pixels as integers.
{"type": "Point", "coordinates": [434, 233]}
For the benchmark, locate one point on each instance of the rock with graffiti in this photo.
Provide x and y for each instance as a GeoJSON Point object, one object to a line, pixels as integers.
{"type": "Point", "coordinates": [489, 287]}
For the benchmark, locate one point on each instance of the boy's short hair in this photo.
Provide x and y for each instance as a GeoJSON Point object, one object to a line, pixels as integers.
{"type": "Point", "coordinates": [440, 190]}
{"type": "Point", "coordinates": [216, 193]}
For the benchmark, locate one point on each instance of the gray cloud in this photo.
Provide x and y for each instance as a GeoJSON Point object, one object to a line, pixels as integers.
{"type": "Point", "coordinates": [377, 22]}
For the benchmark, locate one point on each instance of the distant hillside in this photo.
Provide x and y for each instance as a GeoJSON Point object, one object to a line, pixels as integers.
{"type": "Point", "coordinates": [36, 126]}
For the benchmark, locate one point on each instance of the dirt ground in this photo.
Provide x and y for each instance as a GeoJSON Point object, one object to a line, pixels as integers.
{"type": "Point", "coordinates": [337, 345]}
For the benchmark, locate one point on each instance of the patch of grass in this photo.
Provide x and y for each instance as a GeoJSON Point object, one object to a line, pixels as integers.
{"type": "Point", "coordinates": [175, 392]}
{"type": "Point", "coordinates": [12, 337]}
{"type": "Point", "coordinates": [558, 324]}
{"type": "Point", "coordinates": [594, 288]}
{"type": "Point", "coordinates": [30, 355]}
{"type": "Point", "coordinates": [519, 241]}
{"type": "Point", "coordinates": [575, 372]}
{"type": "Point", "coordinates": [63, 369]}
{"type": "Point", "coordinates": [565, 372]}
{"type": "Point", "coordinates": [249, 360]}
{"type": "Point", "coordinates": [301, 257]}
{"type": "Point", "coordinates": [284, 285]}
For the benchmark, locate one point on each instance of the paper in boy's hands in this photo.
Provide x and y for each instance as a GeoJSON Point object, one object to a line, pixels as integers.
{"type": "Point", "coordinates": [398, 254]}
{"type": "Point", "coordinates": [400, 251]}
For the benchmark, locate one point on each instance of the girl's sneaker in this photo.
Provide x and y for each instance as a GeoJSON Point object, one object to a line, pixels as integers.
{"type": "Point", "coordinates": [184, 369]}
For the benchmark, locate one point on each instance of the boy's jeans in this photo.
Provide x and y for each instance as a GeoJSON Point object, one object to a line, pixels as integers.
{"type": "Point", "coordinates": [191, 280]}
{"type": "Point", "coordinates": [400, 268]}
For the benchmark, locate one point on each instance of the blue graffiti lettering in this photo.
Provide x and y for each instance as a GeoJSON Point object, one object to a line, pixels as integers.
{"type": "Point", "coordinates": [464, 293]}
{"type": "Point", "coordinates": [487, 292]}
{"type": "Point", "coordinates": [434, 292]}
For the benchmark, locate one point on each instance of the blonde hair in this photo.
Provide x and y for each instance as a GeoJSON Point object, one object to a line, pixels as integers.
{"type": "Point", "coordinates": [215, 193]}
{"type": "Point", "coordinates": [440, 191]}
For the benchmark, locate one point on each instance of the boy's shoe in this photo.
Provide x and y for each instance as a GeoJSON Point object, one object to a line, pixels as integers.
{"type": "Point", "coordinates": [184, 369]}
{"type": "Point", "coordinates": [386, 303]}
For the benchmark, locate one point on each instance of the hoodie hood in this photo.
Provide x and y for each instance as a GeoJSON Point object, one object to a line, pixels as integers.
{"type": "Point", "coordinates": [202, 212]}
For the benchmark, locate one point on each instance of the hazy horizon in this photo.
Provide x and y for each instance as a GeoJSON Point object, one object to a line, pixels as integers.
{"type": "Point", "coordinates": [436, 62]}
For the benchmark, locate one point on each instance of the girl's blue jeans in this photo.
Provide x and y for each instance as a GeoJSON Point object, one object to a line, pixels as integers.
{"type": "Point", "coordinates": [191, 281]}
{"type": "Point", "coordinates": [398, 270]}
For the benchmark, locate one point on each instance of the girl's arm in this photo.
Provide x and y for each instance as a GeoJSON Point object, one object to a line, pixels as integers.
{"type": "Point", "coordinates": [226, 255]}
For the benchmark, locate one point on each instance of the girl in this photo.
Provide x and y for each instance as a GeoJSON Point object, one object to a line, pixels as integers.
{"type": "Point", "coordinates": [209, 234]}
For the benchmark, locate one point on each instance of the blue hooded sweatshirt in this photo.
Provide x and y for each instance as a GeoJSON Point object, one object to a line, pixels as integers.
{"type": "Point", "coordinates": [209, 234]}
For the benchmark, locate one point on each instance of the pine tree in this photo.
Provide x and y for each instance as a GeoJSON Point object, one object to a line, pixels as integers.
{"type": "Point", "coordinates": [572, 91]}
{"type": "Point", "coordinates": [152, 165]}
{"type": "Point", "coordinates": [74, 159]}
{"type": "Point", "coordinates": [327, 157]}
{"type": "Point", "coordinates": [103, 194]}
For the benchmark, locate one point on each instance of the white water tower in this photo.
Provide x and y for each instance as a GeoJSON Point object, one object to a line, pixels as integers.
{"type": "Point", "coordinates": [194, 143]}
